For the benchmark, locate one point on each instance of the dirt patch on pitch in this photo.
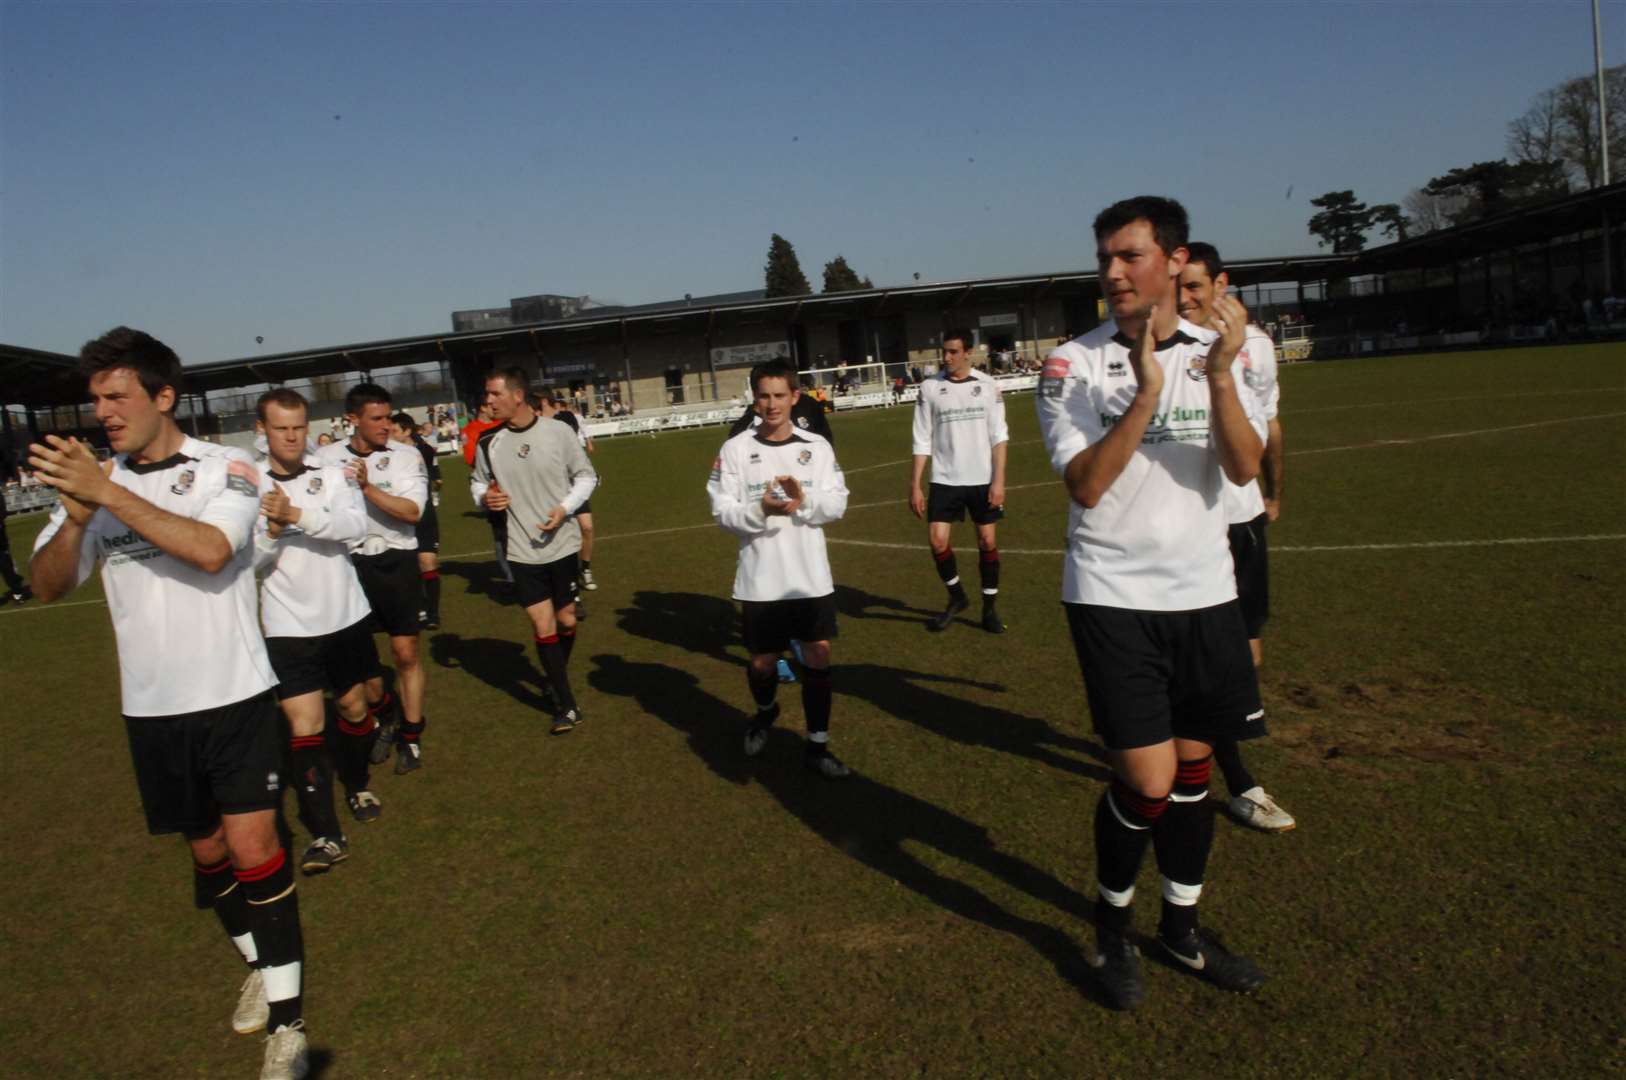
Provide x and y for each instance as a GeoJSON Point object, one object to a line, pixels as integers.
{"type": "Point", "coordinates": [1420, 720]}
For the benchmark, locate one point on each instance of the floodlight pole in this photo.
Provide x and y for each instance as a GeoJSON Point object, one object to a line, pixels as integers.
{"type": "Point", "coordinates": [1603, 145]}
{"type": "Point", "coordinates": [1603, 113]}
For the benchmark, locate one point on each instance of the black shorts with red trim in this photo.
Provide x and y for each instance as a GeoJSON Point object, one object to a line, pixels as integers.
{"type": "Point", "coordinates": [336, 661]}
{"type": "Point", "coordinates": [1251, 556]}
{"type": "Point", "coordinates": [1152, 676]}
{"type": "Point", "coordinates": [555, 581]}
{"type": "Point", "coordinates": [193, 767]}
{"type": "Point", "coordinates": [951, 502]}
{"type": "Point", "coordinates": [769, 626]}
{"type": "Point", "coordinates": [394, 590]}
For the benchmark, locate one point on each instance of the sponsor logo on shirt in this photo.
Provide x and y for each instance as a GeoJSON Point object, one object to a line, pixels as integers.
{"type": "Point", "coordinates": [183, 483]}
{"type": "Point", "coordinates": [1160, 429]}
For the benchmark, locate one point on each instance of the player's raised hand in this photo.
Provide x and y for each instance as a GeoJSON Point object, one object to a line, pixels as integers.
{"type": "Point", "coordinates": [1148, 372]}
{"type": "Point", "coordinates": [793, 493]}
{"type": "Point", "coordinates": [1231, 320]}
{"type": "Point", "coordinates": [360, 470]}
{"type": "Point", "coordinates": [774, 500]}
{"type": "Point", "coordinates": [71, 467]}
{"type": "Point", "coordinates": [556, 518]}
{"type": "Point", "coordinates": [274, 506]}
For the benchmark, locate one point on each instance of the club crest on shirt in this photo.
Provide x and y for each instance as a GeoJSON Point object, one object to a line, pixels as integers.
{"type": "Point", "coordinates": [314, 487]}
{"type": "Point", "coordinates": [525, 450]}
{"type": "Point", "coordinates": [184, 482]}
{"type": "Point", "coordinates": [976, 391]}
{"type": "Point", "coordinates": [804, 457]}
{"type": "Point", "coordinates": [1197, 368]}
{"type": "Point", "coordinates": [383, 463]}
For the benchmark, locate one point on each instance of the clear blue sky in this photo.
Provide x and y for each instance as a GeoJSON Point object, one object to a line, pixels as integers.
{"type": "Point", "coordinates": [318, 174]}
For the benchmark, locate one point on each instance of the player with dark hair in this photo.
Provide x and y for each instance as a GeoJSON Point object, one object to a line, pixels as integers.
{"type": "Point", "coordinates": [317, 621]}
{"type": "Point", "coordinates": [1143, 420]}
{"type": "Point", "coordinates": [396, 489]}
{"type": "Point", "coordinates": [428, 527]}
{"type": "Point", "coordinates": [535, 472]}
{"type": "Point", "coordinates": [960, 428]}
{"type": "Point", "coordinates": [171, 519]}
{"type": "Point", "coordinates": [775, 488]}
{"type": "Point", "coordinates": [1249, 508]}
{"type": "Point", "coordinates": [806, 415]}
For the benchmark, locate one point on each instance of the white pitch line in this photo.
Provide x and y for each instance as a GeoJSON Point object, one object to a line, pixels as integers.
{"type": "Point", "coordinates": [1467, 397]}
{"type": "Point", "coordinates": [1378, 443]}
{"type": "Point", "coordinates": [1420, 544]}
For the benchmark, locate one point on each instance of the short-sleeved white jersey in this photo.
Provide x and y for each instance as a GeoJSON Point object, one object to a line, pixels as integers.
{"type": "Point", "coordinates": [958, 422]}
{"type": "Point", "coordinates": [395, 470]}
{"type": "Point", "coordinates": [781, 557]}
{"type": "Point", "coordinates": [308, 586]}
{"type": "Point", "coordinates": [1157, 539]}
{"type": "Point", "coordinates": [188, 640]}
{"type": "Point", "coordinates": [1256, 365]}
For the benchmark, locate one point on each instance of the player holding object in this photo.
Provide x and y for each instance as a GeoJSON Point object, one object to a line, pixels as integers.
{"type": "Point", "coordinates": [171, 519]}
{"type": "Point", "coordinates": [427, 529]}
{"type": "Point", "coordinates": [775, 488]}
{"type": "Point", "coordinates": [393, 483]}
{"type": "Point", "coordinates": [534, 472]}
{"type": "Point", "coordinates": [316, 620]}
{"type": "Point", "coordinates": [1143, 420]}
{"type": "Point", "coordinates": [1248, 509]}
{"type": "Point", "coordinates": [960, 429]}
{"type": "Point", "coordinates": [472, 431]}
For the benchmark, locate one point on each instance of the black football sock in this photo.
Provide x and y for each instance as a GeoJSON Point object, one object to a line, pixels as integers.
{"type": "Point", "coordinates": [410, 732]}
{"type": "Point", "coordinates": [1182, 839]}
{"type": "Point", "coordinates": [764, 686]}
{"type": "Point", "coordinates": [273, 918]}
{"type": "Point", "coordinates": [1228, 756]}
{"type": "Point", "coordinates": [552, 656]}
{"type": "Point", "coordinates": [948, 570]}
{"type": "Point", "coordinates": [431, 593]}
{"type": "Point", "coordinates": [313, 785]}
{"type": "Point", "coordinates": [816, 707]}
{"type": "Point", "coordinates": [355, 742]}
{"type": "Point", "coordinates": [567, 641]}
{"type": "Point", "coordinates": [988, 570]}
{"type": "Point", "coordinates": [215, 886]}
{"type": "Point", "coordinates": [1124, 820]}
{"type": "Point", "coordinates": [587, 564]}
{"type": "Point", "coordinates": [8, 570]}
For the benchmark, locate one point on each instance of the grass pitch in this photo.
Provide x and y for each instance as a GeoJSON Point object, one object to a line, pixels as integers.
{"type": "Point", "coordinates": [1443, 677]}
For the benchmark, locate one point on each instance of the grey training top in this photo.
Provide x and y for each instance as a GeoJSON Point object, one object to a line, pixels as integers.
{"type": "Point", "coordinates": [538, 467]}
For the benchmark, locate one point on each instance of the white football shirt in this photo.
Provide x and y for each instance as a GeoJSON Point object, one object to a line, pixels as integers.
{"type": "Point", "coordinates": [781, 557]}
{"type": "Point", "coordinates": [308, 585]}
{"type": "Point", "coordinates": [187, 640]}
{"type": "Point", "coordinates": [1256, 364]}
{"type": "Point", "coordinates": [958, 422]}
{"type": "Point", "coordinates": [395, 470]}
{"type": "Point", "coordinates": [1157, 539]}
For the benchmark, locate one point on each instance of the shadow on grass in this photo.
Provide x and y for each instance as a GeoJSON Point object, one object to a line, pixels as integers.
{"type": "Point", "coordinates": [320, 1062]}
{"type": "Point", "coordinates": [863, 818]}
{"type": "Point", "coordinates": [479, 579]}
{"type": "Point", "coordinates": [857, 604]}
{"type": "Point", "coordinates": [503, 665]}
{"type": "Point", "coordinates": [710, 625]}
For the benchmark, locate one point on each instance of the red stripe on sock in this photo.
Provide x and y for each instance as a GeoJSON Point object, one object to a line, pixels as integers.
{"type": "Point", "coordinates": [551, 639]}
{"type": "Point", "coordinates": [567, 631]}
{"type": "Point", "coordinates": [428, 575]}
{"type": "Point", "coordinates": [302, 742]}
{"type": "Point", "coordinates": [265, 869]}
{"type": "Point", "coordinates": [213, 868]}
{"type": "Point", "coordinates": [988, 555]}
{"type": "Point", "coordinates": [365, 726]}
{"type": "Point", "coordinates": [1133, 801]}
{"type": "Point", "coordinates": [944, 555]}
{"type": "Point", "coordinates": [1194, 773]}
